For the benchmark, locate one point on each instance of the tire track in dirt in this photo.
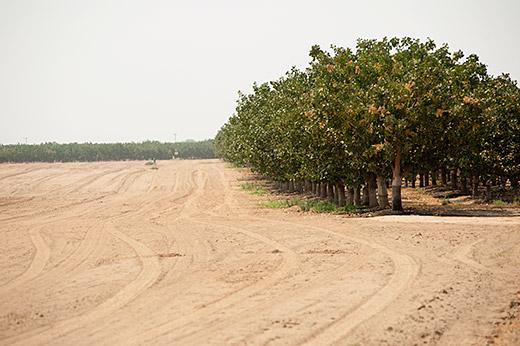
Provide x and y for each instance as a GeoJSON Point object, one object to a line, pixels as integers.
{"type": "Point", "coordinates": [37, 183]}
{"type": "Point", "coordinates": [236, 319]}
{"type": "Point", "coordinates": [183, 240]}
{"type": "Point", "coordinates": [42, 252]}
{"type": "Point", "coordinates": [93, 237]}
{"type": "Point", "coordinates": [405, 270]}
{"type": "Point", "coordinates": [304, 292]}
{"type": "Point", "coordinates": [89, 246]}
{"type": "Point", "coordinates": [226, 202]}
{"type": "Point", "coordinates": [86, 249]}
{"type": "Point", "coordinates": [464, 254]}
{"type": "Point", "coordinates": [289, 265]}
{"type": "Point", "coordinates": [91, 180]}
{"type": "Point", "coordinates": [175, 184]}
{"type": "Point", "coordinates": [82, 203]}
{"type": "Point", "coordinates": [45, 213]}
{"type": "Point", "coordinates": [145, 209]}
{"type": "Point", "coordinates": [67, 265]}
{"type": "Point", "coordinates": [39, 261]}
{"type": "Point", "coordinates": [28, 170]}
{"type": "Point", "coordinates": [150, 271]}
{"type": "Point", "coordinates": [10, 203]}
{"type": "Point", "coordinates": [191, 192]}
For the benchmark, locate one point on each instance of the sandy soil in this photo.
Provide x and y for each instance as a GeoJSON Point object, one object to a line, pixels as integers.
{"type": "Point", "coordinates": [118, 253]}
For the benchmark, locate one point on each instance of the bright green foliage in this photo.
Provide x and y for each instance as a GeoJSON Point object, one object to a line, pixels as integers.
{"type": "Point", "coordinates": [277, 204]}
{"type": "Point", "coordinates": [253, 189]}
{"type": "Point", "coordinates": [314, 205]}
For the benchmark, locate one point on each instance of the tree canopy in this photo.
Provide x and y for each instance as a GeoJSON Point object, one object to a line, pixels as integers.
{"type": "Point", "coordinates": [54, 152]}
{"type": "Point", "coordinates": [390, 108]}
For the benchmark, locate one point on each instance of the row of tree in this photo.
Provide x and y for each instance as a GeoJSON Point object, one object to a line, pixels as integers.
{"type": "Point", "coordinates": [393, 108]}
{"type": "Point", "coordinates": [54, 152]}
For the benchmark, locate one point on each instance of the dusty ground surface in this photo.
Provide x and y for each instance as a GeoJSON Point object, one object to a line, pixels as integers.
{"type": "Point", "coordinates": [118, 253]}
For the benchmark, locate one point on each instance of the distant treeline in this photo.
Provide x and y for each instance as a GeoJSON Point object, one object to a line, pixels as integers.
{"type": "Point", "coordinates": [54, 152]}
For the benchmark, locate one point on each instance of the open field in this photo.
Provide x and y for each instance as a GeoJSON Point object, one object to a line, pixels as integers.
{"type": "Point", "coordinates": [119, 253]}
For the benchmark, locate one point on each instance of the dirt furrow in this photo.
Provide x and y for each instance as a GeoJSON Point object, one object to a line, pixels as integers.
{"type": "Point", "coordinates": [149, 274]}
{"type": "Point", "coordinates": [463, 254]}
{"type": "Point", "coordinates": [40, 259]}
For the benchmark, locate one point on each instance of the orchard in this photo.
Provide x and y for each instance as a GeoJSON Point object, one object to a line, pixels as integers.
{"type": "Point", "coordinates": [357, 123]}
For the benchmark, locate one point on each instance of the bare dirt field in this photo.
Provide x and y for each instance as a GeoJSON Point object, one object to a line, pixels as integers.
{"type": "Point", "coordinates": [119, 253]}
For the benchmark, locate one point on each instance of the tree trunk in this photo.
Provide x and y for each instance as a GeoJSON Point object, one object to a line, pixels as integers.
{"type": "Point", "coordinates": [405, 182]}
{"type": "Point", "coordinates": [307, 186]}
{"type": "Point", "coordinates": [474, 186]}
{"type": "Point", "coordinates": [421, 180]}
{"type": "Point", "coordinates": [503, 182]}
{"type": "Point", "coordinates": [357, 196]}
{"type": "Point", "coordinates": [414, 178]}
{"type": "Point", "coordinates": [330, 192]}
{"type": "Point", "coordinates": [489, 194]}
{"type": "Point", "coordinates": [372, 190]}
{"type": "Point", "coordinates": [340, 192]}
{"type": "Point", "coordinates": [426, 179]}
{"type": "Point", "coordinates": [397, 203]}
{"type": "Point", "coordinates": [434, 177]}
{"type": "Point", "coordinates": [350, 196]}
{"type": "Point", "coordinates": [454, 182]}
{"type": "Point", "coordinates": [323, 190]}
{"type": "Point", "coordinates": [444, 179]}
{"type": "Point", "coordinates": [291, 186]}
{"type": "Point", "coordinates": [382, 193]}
{"type": "Point", "coordinates": [364, 197]}
{"type": "Point", "coordinates": [464, 185]}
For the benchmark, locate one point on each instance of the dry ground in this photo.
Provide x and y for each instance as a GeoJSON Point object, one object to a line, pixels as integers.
{"type": "Point", "coordinates": [118, 253]}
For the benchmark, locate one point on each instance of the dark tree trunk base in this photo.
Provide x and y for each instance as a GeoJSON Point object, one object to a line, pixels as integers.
{"type": "Point", "coordinates": [330, 192]}
{"type": "Point", "coordinates": [350, 196]}
{"type": "Point", "coordinates": [340, 193]}
{"type": "Point", "coordinates": [323, 190]}
{"type": "Point", "coordinates": [357, 196]}
{"type": "Point", "coordinates": [372, 191]}
{"type": "Point", "coordinates": [444, 178]}
{"type": "Point", "coordinates": [382, 193]}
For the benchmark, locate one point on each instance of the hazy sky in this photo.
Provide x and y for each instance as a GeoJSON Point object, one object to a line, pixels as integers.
{"type": "Point", "coordinates": [106, 71]}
